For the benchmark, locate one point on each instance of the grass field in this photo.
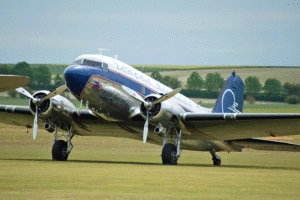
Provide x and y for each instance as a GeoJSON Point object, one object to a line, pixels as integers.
{"type": "Point", "coordinates": [114, 168]}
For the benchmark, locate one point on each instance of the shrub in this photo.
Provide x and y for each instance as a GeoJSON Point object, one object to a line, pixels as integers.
{"type": "Point", "coordinates": [250, 99]}
{"type": "Point", "coordinates": [292, 99]}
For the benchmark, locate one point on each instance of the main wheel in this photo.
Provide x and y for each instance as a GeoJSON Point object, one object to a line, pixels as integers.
{"type": "Point", "coordinates": [169, 154]}
{"type": "Point", "coordinates": [59, 150]}
{"type": "Point", "coordinates": [217, 160]}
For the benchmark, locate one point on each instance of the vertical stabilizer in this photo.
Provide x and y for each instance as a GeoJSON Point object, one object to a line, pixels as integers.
{"type": "Point", "coordinates": [230, 100]}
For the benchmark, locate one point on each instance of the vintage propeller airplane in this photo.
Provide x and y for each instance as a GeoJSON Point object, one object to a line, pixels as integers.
{"type": "Point", "coordinates": [123, 102]}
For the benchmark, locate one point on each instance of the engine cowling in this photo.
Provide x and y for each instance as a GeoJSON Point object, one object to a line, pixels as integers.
{"type": "Point", "coordinates": [57, 110]}
{"type": "Point", "coordinates": [165, 113]}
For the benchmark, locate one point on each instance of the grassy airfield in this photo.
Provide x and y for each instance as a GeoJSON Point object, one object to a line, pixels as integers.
{"type": "Point", "coordinates": [114, 168]}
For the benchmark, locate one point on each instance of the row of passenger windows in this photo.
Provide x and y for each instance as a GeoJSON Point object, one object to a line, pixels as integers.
{"type": "Point", "coordinates": [90, 63]}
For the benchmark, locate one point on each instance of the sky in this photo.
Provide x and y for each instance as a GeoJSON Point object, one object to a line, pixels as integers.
{"type": "Point", "coordinates": [211, 32]}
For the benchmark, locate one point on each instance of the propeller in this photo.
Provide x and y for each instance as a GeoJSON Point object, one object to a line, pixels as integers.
{"type": "Point", "coordinates": [149, 105]}
{"type": "Point", "coordinates": [38, 102]}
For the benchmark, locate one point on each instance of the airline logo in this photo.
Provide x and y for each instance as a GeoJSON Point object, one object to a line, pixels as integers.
{"type": "Point", "coordinates": [229, 103]}
{"type": "Point", "coordinates": [97, 85]}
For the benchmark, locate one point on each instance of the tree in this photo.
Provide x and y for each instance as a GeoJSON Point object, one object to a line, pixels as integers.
{"type": "Point", "coordinates": [171, 81]}
{"type": "Point", "coordinates": [43, 76]}
{"type": "Point", "coordinates": [5, 69]}
{"type": "Point", "coordinates": [13, 93]}
{"type": "Point", "coordinates": [213, 81]}
{"type": "Point", "coordinates": [273, 86]}
{"type": "Point", "coordinates": [166, 80]}
{"type": "Point", "coordinates": [292, 89]}
{"type": "Point", "coordinates": [156, 75]}
{"type": "Point", "coordinates": [194, 81]}
{"type": "Point", "coordinates": [22, 69]}
{"type": "Point", "coordinates": [174, 82]}
{"type": "Point", "coordinates": [58, 81]}
{"type": "Point", "coordinates": [252, 85]}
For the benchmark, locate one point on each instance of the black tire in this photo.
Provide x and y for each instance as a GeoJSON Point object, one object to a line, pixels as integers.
{"type": "Point", "coordinates": [217, 161]}
{"type": "Point", "coordinates": [59, 150]}
{"type": "Point", "coordinates": [169, 155]}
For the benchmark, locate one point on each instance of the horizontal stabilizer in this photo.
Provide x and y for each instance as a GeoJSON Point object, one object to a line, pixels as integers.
{"type": "Point", "coordinates": [11, 82]}
{"type": "Point", "coordinates": [270, 145]}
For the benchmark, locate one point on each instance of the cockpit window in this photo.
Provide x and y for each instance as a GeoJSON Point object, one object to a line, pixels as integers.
{"type": "Point", "coordinates": [77, 62]}
{"type": "Point", "coordinates": [92, 63]}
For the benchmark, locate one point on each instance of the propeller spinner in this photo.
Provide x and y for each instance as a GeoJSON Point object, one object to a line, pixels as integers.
{"type": "Point", "coordinates": [149, 105]}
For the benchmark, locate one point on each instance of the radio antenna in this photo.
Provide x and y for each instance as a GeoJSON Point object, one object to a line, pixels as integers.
{"type": "Point", "coordinates": [102, 50]}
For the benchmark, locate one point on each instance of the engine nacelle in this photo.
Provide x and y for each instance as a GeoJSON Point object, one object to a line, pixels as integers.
{"type": "Point", "coordinates": [56, 110]}
{"type": "Point", "coordinates": [164, 114]}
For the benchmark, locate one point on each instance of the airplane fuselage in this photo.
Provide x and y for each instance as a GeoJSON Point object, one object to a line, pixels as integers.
{"type": "Point", "coordinates": [97, 81]}
{"type": "Point", "coordinates": [100, 85]}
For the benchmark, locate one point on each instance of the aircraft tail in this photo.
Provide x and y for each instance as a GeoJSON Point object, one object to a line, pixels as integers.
{"type": "Point", "coordinates": [230, 100]}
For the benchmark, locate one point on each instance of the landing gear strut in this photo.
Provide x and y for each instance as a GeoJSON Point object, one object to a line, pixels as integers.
{"type": "Point", "coordinates": [216, 159]}
{"type": "Point", "coordinates": [170, 152]}
{"type": "Point", "coordinates": [61, 149]}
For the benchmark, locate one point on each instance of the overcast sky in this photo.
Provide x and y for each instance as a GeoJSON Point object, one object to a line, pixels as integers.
{"type": "Point", "coordinates": [212, 32]}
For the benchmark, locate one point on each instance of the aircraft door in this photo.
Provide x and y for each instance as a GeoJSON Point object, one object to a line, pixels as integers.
{"type": "Point", "coordinates": [105, 67]}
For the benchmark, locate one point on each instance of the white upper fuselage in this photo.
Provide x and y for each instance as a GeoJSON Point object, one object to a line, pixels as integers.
{"type": "Point", "coordinates": [120, 68]}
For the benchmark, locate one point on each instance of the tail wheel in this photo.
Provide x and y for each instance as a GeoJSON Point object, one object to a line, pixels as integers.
{"type": "Point", "coordinates": [169, 155]}
{"type": "Point", "coordinates": [217, 160]}
{"type": "Point", "coordinates": [59, 150]}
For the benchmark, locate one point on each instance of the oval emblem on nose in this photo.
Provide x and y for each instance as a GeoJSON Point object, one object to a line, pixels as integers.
{"type": "Point", "coordinates": [97, 85]}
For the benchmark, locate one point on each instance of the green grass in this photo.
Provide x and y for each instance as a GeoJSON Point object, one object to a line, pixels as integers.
{"type": "Point", "coordinates": [115, 168]}
{"type": "Point", "coordinates": [108, 168]}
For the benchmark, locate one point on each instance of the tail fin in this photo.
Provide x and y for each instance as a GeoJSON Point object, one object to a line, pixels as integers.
{"type": "Point", "coordinates": [230, 99]}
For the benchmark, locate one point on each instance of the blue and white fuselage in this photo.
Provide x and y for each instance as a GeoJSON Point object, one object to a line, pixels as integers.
{"type": "Point", "coordinates": [98, 80]}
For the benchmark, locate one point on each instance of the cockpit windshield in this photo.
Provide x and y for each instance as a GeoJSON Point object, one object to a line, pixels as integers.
{"type": "Point", "coordinates": [77, 62]}
{"type": "Point", "coordinates": [92, 63]}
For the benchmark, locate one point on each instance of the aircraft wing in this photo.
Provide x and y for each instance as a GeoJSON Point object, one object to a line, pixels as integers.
{"type": "Point", "coordinates": [87, 123]}
{"type": "Point", "coordinates": [11, 82]}
{"type": "Point", "coordinates": [234, 126]}
{"type": "Point", "coordinates": [16, 115]}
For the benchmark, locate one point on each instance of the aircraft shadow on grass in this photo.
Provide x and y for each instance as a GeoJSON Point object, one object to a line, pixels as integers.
{"type": "Point", "coordinates": [159, 164]}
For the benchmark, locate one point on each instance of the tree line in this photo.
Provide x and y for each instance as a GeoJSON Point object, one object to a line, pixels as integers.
{"type": "Point", "coordinates": [272, 90]}
{"type": "Point", "coordinates": [40, 78]}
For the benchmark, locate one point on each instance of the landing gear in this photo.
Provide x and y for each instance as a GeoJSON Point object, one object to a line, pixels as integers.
{"type": "Point", "coordinates": [61, 149]}
{"type": "Point", "coordinates": [216, 159]}
{"type": "Point", "coordinates": [170, 152]}
{"type": "Point", "coordinates": [169, 155]}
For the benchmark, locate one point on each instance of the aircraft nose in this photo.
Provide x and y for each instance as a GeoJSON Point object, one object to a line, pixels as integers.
{"type": "Point", "coordinates": [76, 78]}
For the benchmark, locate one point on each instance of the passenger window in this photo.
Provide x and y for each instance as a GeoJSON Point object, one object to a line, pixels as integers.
{"type": "Point", "coordinates": [143, 90]}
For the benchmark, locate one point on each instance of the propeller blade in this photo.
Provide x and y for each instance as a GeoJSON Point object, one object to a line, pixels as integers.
{"type": "Point", "coordinates": [35, 124]}
{"type": "Point", "coordinates": [145, 133]}
{"type": "Point", "coordinates": [133, 93]}
{"type": "Point", "coordinates": [24, 92]}
{"type": "Point", "coordinates": [167, 96]}
{"type": "Point", "coordinates": [56, 92]}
